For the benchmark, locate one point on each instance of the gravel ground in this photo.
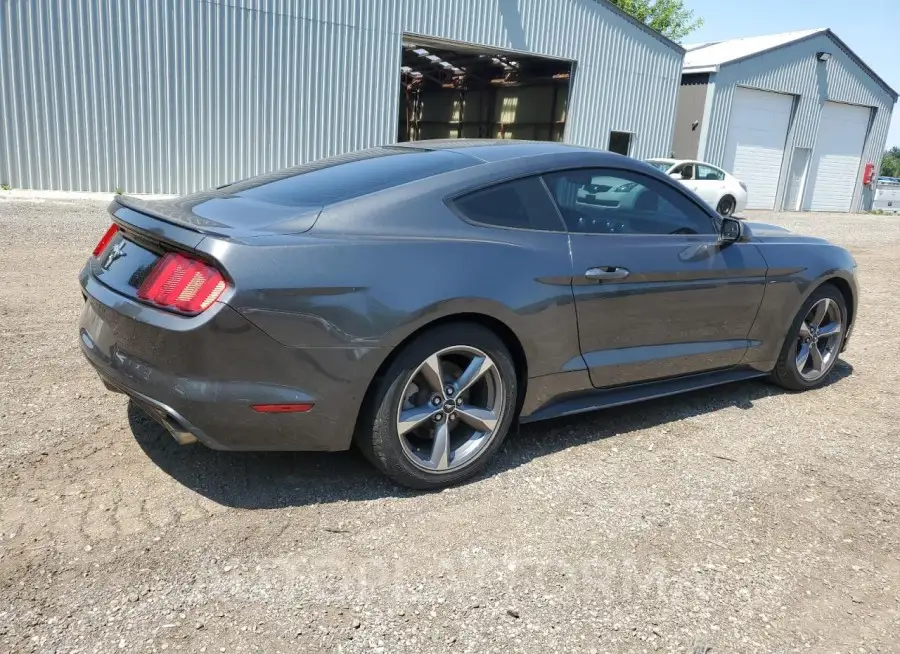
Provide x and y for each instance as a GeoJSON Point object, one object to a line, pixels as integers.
{"type": "Point", "coordinates": [741, 519]}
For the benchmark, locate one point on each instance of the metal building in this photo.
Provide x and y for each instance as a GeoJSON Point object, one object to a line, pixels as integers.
{"type": "Point", "coordinates": [795, 116]}
{"type": "Point", "coordinates": [170, 96]}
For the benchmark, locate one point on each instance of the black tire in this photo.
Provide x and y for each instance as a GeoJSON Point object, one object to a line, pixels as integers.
{"type": "Point", "coordinates": [377, 435]}
{"type": "Point", "coordinates": [786, 373]}
{"type": "Point", "coordinates": [726, 206]}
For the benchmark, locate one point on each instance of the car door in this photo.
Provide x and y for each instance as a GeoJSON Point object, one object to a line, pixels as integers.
{"type": "Point", "coordinates": [656, 295]}
{"type": "Point", "coordinates": [709, 184]}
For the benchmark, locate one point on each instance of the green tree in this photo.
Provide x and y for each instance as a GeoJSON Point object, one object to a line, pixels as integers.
{"type": "Point", "coordinates": [668, 17]}
{"type": "Point", "coordinates": [890, 164]}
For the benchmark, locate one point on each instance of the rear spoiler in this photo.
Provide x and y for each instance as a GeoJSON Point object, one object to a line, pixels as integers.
{"type": "Point", "coordinates": [177, 211]}
{"type": "Point", "coordinates": [225, 215]}
{"type": "Point", "coordinates": [153, 228]}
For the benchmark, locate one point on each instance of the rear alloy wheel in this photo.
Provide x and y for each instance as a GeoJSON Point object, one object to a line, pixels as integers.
{"type": "Point", "coordinates": [443, 408]}
{"type": "Point", "coordinates": [450, 409]}
{"type": "Point", "coordinates": [726, 206]}
{"type": "Point", "coordinates": [814, 343]}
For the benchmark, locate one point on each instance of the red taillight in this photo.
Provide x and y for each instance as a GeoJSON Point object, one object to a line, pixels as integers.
{"type": "Point", "coordinates": [182, 283]}
{"type": "Point", "coordinates": [107, 237]}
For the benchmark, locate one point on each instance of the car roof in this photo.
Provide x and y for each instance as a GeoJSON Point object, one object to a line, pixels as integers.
{"type": "Point", "coordinates": [687, 161]}
{"type": "Point", "coordinates": [492, 150]}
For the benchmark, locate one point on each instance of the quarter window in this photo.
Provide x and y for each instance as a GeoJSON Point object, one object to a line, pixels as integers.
{"type": "Point", "coordinates": [623, 202]}
{"type": "Point", "coordinates": [519, 204]}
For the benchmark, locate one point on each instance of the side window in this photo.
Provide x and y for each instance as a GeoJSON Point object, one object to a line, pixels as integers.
{"type": "Point", "coordinates": [519, 204]}
{"type": "Point", "coordinates": [611, 201]}
{"type": "Point", "coordinates": [686, 171]}
{"type": "Point", "coordinates": [709, 173]}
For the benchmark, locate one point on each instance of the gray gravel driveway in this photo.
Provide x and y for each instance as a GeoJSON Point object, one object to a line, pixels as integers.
{"type": "Point", "coordinates": [741, 519]}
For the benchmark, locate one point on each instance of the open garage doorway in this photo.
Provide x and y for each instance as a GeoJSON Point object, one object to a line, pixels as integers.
{"type": "Point", "coordinates": [455, 90]}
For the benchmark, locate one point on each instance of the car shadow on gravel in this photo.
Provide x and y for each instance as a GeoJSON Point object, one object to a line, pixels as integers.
{"type": "Point", "coordinates": [261, 480]}
{"type": "Point", "coordinates": [283, 479]}
{"type": "Point", "coordinates": [537, 439]}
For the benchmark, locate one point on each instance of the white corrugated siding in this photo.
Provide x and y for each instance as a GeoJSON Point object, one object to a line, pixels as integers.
{"type": "Point", "coordinates": [754, 148]}
{"type": "Point", "coordinates": [795, 69]}
{"type": "Point", "coordinates": [836, 159]}
{"type": "Point", "coordinates": [170, 96]}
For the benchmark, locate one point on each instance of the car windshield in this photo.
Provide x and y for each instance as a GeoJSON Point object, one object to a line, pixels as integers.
{"type": "Point", "coordinates": [660, 165]}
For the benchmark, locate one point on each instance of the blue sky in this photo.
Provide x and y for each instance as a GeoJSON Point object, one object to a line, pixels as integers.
{"type": "Point", "coordinates": [871, 29]}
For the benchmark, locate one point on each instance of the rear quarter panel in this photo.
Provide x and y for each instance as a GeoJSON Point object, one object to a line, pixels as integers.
{"type": "Point", "coordinates": [337, 288]}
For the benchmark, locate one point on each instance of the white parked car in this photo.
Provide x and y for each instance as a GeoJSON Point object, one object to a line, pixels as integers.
{"type": "Point", "coordinates": [723, 192]}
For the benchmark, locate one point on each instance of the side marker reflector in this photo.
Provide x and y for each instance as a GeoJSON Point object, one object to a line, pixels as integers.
{"type": "Point", "coordinates": [282, 408]}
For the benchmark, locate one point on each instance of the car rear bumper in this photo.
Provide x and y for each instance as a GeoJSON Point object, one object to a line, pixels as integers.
{"type": "Point", "coordinates": [181, 430]}
{"type": "Point", "coordinates": [200, 376]}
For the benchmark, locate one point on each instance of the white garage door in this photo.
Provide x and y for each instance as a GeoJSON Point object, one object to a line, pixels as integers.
{"type": "Point", "coordinates": [839, 147]}
{"type": "Point", "coordinates": [754, 147]}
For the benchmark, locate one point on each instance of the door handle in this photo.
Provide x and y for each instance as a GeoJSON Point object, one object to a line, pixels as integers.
{"type": "Point", "coordinates": [606, 272]}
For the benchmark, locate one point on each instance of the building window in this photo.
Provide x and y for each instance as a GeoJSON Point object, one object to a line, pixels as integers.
{"type": "Point", "coordinates": [620, 142]}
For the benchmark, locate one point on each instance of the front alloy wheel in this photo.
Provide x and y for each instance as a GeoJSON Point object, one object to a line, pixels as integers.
{"type": "Point", "coordinates": [814, 342]}
{"type": "Point", "coordinates": [819, 340]}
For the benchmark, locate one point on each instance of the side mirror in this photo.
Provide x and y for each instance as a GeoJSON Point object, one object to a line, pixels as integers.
{"type": "Point", "coordinates": [675, 175]}
{"type": "Point", "coordinates": [732, 231]}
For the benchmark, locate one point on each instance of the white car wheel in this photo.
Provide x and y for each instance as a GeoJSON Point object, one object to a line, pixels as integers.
{"type": "Point", "coordinates": [726, 206]}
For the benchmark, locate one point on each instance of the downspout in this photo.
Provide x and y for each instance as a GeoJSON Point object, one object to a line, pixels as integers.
{"type": "Point", "coordinates": [707, 113]}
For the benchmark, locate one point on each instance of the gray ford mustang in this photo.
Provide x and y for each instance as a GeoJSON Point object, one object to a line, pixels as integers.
{"type": "Point", "coordinates": [417, 299]}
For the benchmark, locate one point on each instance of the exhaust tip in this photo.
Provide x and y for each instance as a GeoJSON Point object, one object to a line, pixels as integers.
{"type": "Point", "coordinates": [181, 435]}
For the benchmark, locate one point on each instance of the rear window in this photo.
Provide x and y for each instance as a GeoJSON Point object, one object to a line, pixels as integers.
{"type": "Point", "coordinates": [660, 165]}
{"type": "Point", "coordinates": [350, 176]}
